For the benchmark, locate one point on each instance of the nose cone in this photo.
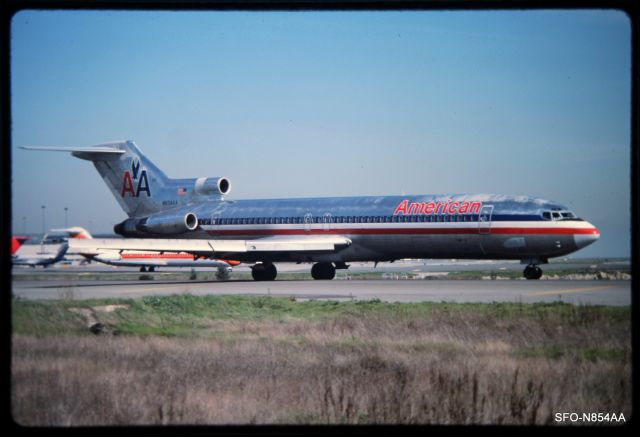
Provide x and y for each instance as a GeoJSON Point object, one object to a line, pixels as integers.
{"type": "Point", "coordinates": [589, 235]}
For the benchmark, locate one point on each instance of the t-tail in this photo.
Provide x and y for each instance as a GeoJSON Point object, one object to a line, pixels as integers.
{"type": "Point", "coordinates": [139, 186]}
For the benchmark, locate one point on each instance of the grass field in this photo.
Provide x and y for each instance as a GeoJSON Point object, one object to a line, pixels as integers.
{"type": "Point", "coordinates": [260, 360]}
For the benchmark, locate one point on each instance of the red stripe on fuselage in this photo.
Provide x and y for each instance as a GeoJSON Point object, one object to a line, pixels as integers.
{"type": "Point", "coordinates": [410, 231]}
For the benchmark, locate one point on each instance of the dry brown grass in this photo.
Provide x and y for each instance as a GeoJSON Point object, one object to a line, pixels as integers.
{"type": "Point", "coordinates": [450, 368]}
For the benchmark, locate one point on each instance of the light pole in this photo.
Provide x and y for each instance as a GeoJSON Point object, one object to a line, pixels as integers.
{"type": "Point", "coordinates": [43, 227]}
{"type": "Point", "coordinates": [43, 231]}
{"type": "Point", "coordinates": [65, 216]}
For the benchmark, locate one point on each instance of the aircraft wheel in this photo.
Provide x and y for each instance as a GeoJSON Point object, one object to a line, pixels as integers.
{"type": "Point", "coordinates": [323, 271]}
{"type": "Point", "coordinates": [532, 272]}
{"type": "Point", "coordinates": [143, 269]}
{"type": "Point", "coordinates": [264, 272]}
{"type": "Point", "coordinates": [538, 273]}
{"type": "Point", "coordinates": [151, 269]}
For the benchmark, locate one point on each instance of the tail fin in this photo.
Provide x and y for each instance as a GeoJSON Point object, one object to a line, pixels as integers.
{"type": "Point", "coordinates": [62, 250]}
{"type": "Point", "coordinates": [16, 243]}
{"type": "Point", "coordinates": [136, 183]}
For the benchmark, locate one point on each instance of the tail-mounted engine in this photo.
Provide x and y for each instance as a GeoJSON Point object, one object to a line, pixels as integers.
{"type": "Point", "coordinates": [158, 224]}
{"type": "Point", "coordinates": [211, 186]}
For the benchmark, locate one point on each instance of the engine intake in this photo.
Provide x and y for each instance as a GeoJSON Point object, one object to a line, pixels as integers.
{"type": "Point", "coordinates": [190, 221]}
{"type": "Point", "coordinates": [212, 186]}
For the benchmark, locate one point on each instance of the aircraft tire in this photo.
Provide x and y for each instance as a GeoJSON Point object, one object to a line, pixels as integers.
{"type": "Point", "coordinates": [532, 272]}
{"type": "Point", "coordinates": [323, 271]}
{"type": "Point", "coordinates": [264, 272]}
{"type": "Point", "coordinates": [143, 269]}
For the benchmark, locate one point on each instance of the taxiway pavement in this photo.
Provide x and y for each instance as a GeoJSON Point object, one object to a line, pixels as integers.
{"type": "Point", "coordinates": [576, 292]}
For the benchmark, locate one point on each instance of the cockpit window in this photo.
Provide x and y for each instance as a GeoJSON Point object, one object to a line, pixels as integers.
{"type": "Point", "coordinates": [560, 215]}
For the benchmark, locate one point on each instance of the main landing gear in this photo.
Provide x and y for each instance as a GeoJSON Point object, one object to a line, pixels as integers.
{"type": "Point", "coordinates": [324, 271]}
{"type": "Point", "coordinates": [264, 272]}
{"type": "Point", "coordinates": [144, 269]}
{"type": "Point", "coordinates": [532, 271]}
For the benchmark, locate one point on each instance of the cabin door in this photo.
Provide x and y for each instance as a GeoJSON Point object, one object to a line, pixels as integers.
{"type": "Point", "coordinates": [484, 220]}
{"type": "Point", "coordinates": [326, 221]}
{"type": "Point", "coordinates": [308, 219]}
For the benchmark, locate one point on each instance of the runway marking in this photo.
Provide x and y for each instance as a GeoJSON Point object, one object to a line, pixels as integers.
{"type": "Point", "coordinates": [574, 290]}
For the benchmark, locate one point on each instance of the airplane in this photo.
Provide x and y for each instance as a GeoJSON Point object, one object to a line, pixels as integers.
{"type": "Point", "coordinates": [44, 260]}
{"type": "Point", "coordinates": [149, 261]}
{"type": "Point", "coordinates": [50, 244]}
{"type": "Point", "coordinates": [194, 216]}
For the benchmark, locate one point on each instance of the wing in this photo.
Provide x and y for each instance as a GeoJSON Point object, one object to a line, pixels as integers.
{"type": "Point", "coordinates": [215, 248]}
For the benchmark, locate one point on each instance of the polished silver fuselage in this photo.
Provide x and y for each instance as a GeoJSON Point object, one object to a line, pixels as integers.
{"type": "Point", "coordinates": [499, 227]}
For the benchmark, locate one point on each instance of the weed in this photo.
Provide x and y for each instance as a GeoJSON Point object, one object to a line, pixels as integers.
{"type": "Point", "coordinates": [187, 359]}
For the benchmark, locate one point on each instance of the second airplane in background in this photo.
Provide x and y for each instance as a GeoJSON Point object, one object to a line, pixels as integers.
{"type": "Point", "coordinates": [192, 215]}
{"type": "Point", "coordinates": [150, 260]}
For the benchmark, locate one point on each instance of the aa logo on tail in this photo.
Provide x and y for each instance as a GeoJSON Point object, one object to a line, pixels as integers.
{"type": "Point", "coordinates": [130, 177]}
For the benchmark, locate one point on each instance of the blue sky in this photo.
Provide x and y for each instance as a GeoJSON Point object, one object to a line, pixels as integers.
{"type": "Point", "coordinates": [300, 104]}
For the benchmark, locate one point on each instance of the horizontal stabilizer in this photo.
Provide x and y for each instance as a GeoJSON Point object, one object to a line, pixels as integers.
{"type": "Point", "coordinates": [100, 152]}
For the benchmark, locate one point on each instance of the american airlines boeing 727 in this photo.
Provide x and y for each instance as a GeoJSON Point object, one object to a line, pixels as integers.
{"type": "Point", "coordinates": [193, 215]}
